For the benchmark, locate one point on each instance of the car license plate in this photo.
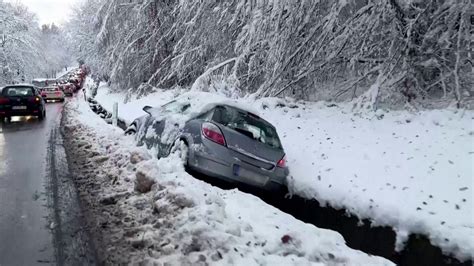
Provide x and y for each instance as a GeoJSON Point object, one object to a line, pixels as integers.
{"type": "Point", "coordinates": [19, 107]}
{"type": "Point", "coordinates": [249, 175]}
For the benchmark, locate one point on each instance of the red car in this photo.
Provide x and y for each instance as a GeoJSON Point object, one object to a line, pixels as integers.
{"type": "Point", "coordinates": [21, 100]}
{"type": "Point", "coordinates": [68, 89]}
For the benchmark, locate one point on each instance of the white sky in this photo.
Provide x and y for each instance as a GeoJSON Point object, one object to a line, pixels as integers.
{"type": "Point", "coordinates": [49, 11]}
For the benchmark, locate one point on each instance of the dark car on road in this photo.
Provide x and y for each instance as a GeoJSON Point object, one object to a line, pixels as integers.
{"type": "Point", "coordinates": [21, 100]}
{"type": "Point", "coordinates": [221, 141]}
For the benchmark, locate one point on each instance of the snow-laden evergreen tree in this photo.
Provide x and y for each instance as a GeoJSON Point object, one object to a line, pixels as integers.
{"type": "Point", "coordinates": [374, 51]}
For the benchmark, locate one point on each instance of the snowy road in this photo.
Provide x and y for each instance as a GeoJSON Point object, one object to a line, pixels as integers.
{"type": "Point", "coordinates": [32, 201]}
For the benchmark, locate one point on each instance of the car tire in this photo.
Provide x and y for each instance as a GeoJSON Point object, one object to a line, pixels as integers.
{"type": "Point", "coordinates": [131, 130]}
{"type": "Point", "coordinates": [41, 116]}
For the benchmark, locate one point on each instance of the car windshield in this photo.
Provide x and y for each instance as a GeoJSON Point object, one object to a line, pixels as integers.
{"type": "Point", "coordinates": [247, 124]}
{"type": "Point", "coordinates": [18, 91]}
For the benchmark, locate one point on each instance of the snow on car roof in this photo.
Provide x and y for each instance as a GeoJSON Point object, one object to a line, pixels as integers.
{"type": "Point", "coordinates": [20, 85]}
{"type": "Point", "coordinates": [204, 101]}
{"type": "Point", "coordinates": [43, 79]}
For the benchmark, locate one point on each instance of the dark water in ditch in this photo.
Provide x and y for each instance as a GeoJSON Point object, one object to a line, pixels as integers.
{"type": "Point", "coordinates": [360, 235]}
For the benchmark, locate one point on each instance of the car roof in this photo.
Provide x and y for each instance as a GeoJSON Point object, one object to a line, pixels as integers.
{"type": "Point", "coordinates": [18, 86]}
{"type": "Point", "coordinates": [44, 79]}
{"type": "Point", "coordinates": [229, 105]}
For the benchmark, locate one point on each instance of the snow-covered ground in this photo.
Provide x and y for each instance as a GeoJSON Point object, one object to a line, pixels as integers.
{"type": "Point", "coordinates": [200, 224]}
{"type": "Point", "coordinates": [409, 170]}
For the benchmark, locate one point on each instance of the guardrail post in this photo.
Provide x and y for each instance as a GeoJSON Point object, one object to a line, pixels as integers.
{"type": "Point", "coordinates": [115, 114]}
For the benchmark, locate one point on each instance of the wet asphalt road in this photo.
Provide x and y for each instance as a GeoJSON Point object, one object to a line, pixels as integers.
{"type": "Point", "coordinates": [25, 237]}
{"type": "Point", "coordinates": [40, 218]}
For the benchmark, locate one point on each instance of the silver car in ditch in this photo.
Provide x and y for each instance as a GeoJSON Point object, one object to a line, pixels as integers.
{"type": "Point", "coordinates": [221, 141]}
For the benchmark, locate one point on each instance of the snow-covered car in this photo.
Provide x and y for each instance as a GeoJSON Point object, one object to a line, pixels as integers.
{"type": "Point", "coordinates": [221, 140]}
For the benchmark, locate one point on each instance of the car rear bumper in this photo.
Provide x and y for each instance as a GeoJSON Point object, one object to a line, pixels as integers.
{"type": "Point", "coordinates": [28, 112]}
{"type": "Point", "coordinates": [53, 98]}
{"type": "Point", "coordinates": [224, 164]}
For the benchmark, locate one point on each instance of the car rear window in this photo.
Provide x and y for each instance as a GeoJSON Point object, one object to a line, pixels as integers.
{"type": "Point", "coordinates": [17, 91]}
{"type": "Point", "coordinates": [176, 107]}
{"type": "Point", "coordinates": [247, 124]}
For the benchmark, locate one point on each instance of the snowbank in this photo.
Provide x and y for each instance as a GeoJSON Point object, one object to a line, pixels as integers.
{"type": "Point", "coordinates": [411, 171]}
{"type": "Point", "coordinates": [198, 223]}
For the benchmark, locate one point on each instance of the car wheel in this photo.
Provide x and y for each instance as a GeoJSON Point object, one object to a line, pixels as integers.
{"type": "Point", "coordinates": [131, 130]}
{"type": "Point", "coordinates": [182, 149]}
{"type": "Point", "coordinates": [41, 116]}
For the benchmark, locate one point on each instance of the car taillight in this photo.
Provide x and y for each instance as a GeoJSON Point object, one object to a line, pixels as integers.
{"type": "Point", "coordinates": [34, 99]}
{"type": "Point", "coordinates": [4, 100]}
{"type": "Point", "coordinates": [212, 132]}
{"type": "Point", "coordinates": [282, 162]}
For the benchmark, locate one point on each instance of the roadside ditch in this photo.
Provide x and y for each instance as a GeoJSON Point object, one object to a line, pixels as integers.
{"type": "Point", "coordinates": [359, 234]}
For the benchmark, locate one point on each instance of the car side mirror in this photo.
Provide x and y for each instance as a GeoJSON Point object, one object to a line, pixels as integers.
{"type": "Point", "coordinates": [147, 109]}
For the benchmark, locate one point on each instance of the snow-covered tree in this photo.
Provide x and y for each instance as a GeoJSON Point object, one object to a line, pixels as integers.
{"type": "Point", "coordinates": [56, 52]}
{"type": "Point", "coordinates": [378, 51]}
{"type": "Point", "coordinates": [25, 52]}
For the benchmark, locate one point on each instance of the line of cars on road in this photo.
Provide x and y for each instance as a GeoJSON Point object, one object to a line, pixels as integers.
{"type": "Point", "coordinates": [59, 89]}
{"type": "Point", "coordinates": [30, 99]}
